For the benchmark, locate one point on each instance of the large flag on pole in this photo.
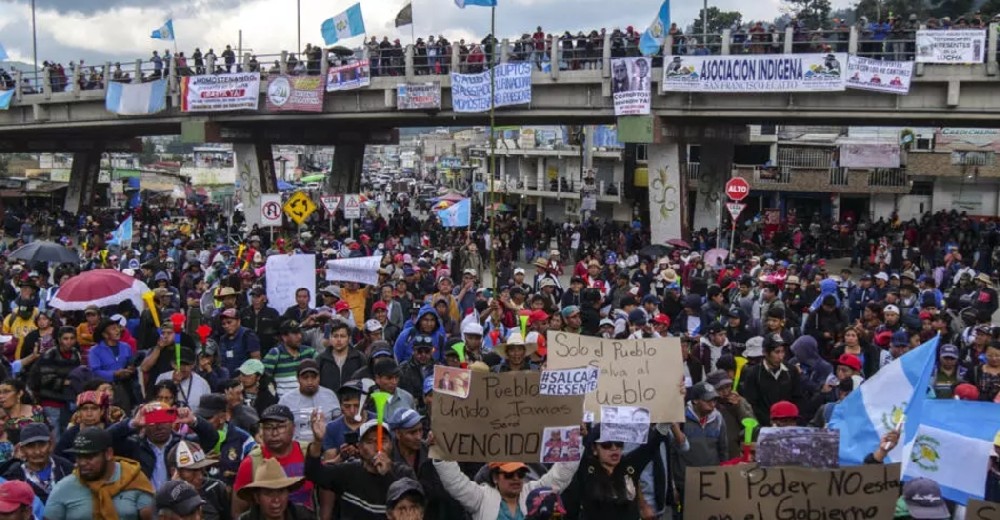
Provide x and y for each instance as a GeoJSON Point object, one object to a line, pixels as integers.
{"type": "Point", "coordinates": [165, 32]}
{"type": "Point", "coordinates": [345, 25]}
{"type": "Point", "coordinates": [6, 96]}
{"type": "Point", "coordinates": [458, 215]}
{"type": "Point", "coordinates": [122, 235]}
{"type": "Point", "coordinates": [898, 390]}
{"type": "Point", "coordinates": [481, 3]}
{"type": "Point", "coordinates": [652, 40]}
{"type": "Point", "coordinates": [405, 16]}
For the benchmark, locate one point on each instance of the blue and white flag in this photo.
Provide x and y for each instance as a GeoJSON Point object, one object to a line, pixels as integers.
{"type": "Point", "coordinates": [345, 25]}
{"type": "Point", "coordinates": [952, 446]}
{"type": "Point", "coordinates": [131, 99]}
{"type": "Point", "coordinates": [481, 3]}
{"type": "Point", "coordinates": [458, 215]}
{"type": "Point", "coordinates": [6, 96]}
{"type": "Point", "coordinates": [122, 235]}
{"type": "Point", "coordinates": [3, 53]}
{"type": "Point", "coordinates": [899, 389]}
{"type": "Point", "coordinates": [652, 40]}
{"type": "Point", "coordinates": [165, 32]}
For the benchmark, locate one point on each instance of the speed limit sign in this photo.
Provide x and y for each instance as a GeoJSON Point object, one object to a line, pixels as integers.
{"type": "Point", "coordinates": [270, 210]}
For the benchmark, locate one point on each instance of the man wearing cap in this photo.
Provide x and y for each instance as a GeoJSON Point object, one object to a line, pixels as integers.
{"type": "Point", "coordinates": [159, 358]}
{"type": "Point", "coordinates": [98, 471]}
{"type": "Point", "coordinates": [405, 500]}
{"type": "Point", "coordinates": [389, 330]}
{"type": "Point", "coordinates": [413, 371]}
{"type": "Point", "coordinates": [38, 466]}
{"type": "Point", "coordinates": [179, 500]}
{"type": "Point", "coordinates": [361, 487]}
{"type": "Point", "coordinates": [386, 375]}
{"type": "Point", "coordinates": [309, 398]}
{"type": "Point", "coordinates": [254, 391]}
{"type": "Point", "coordinates": [277, 432]}
{"type": "Point", "coordinates": [190, 385]}
{"type": "Point", "coordinates": [408, 433]}
{"type": "Point", "coordinates": [236, 342]}
{"type": "Point", "coordinates": [985, 297]}
{"type": "Point", "coordinates": [340, 434]}
{"type": "Point", "coordinates": [228, 443]}
{"type": "Point", "coordinates": [704, 431]}
{"type": "Point", "coordinates": [770, 381]}
{"type": "Point", "coordinates": [188, 464]}
{"type": "Point", "coordinates": [732, 406]}
{"type": "Point", "coordinates": [948, 373]}
{"type": "Point", "coordinates": [281, 362]}
{"type": "Point", "coordinates": [261, 318]}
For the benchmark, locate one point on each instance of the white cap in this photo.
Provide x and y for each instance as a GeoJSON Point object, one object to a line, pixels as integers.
{"type": "Point", "coordinates": [373, 325]}
{"type": "Point", "coordinates": [882, 276]}
{"type": "Point", "coordinates": [518, 271]}
{"type": "Point", "coordinates": [607, 322]}
{"type": "Point", "coordinates": [515, 338]}
{"type": "Point", "coordinates": [532, 338]}
{"type": "Point", "coordinates": [472, 328]}
{"type": "Point", "coordinates": [890, 308]}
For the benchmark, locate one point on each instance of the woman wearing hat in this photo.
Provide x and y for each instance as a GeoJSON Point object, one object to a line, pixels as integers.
{"type": "Point", "coordinates": [268, 495]}
{"type": "Point", "coordinates": [515, 353]}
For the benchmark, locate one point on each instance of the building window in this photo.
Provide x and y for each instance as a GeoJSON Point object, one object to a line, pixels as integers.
{"type": "Point", "coordinates": [922, 188]}
{"type": "Point", "coordinates": [642, 153]}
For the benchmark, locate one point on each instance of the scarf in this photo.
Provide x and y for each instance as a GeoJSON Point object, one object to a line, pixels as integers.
{"type": "Point", "coordinates": [131, 478]}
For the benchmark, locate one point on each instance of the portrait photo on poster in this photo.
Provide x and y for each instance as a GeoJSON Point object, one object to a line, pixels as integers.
{"type": "Point", "coordinates": [561, 444]}
{"type": "Point", "coordinates": [452, 381]}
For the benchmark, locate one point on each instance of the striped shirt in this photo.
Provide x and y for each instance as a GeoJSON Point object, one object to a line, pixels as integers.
{"type": "Point", "coordinates": [283, 367]}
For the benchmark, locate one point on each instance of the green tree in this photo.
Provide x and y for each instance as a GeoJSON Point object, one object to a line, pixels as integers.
{"type": "Point", "coordinates": [990, 8]}
{"type": "Point", "coordinates": [950, 8]}
{"type": "Point", "coordinates": [717, 20]}
{"type": "Point", "coordinates": [815, 13]}
{"type": "Point", "coordinates": [148, 155]}
{"type": "Point", "coordinates": [882, 9]}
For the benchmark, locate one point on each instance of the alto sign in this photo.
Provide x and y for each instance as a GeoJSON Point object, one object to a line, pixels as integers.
{"type": "Point", "coordinates": [737, 189]}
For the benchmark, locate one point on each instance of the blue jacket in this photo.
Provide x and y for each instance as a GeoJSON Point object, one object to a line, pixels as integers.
{"type": "Point", "coordinates": [815, 370]}
{"type": "Point", "coordinates": [404, 343]}
{"type": "Point", "coordinates": [105, 361]}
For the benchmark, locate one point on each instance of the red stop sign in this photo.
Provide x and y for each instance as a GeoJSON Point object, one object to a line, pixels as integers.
{"type": "Point", "coordinates": [737, 189]}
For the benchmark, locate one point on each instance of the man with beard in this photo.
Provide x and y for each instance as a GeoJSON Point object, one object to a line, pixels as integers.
{"type": "Point", "coordinates": [127, 491]}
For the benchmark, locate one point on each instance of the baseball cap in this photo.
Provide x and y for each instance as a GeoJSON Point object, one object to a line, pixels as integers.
{"type": "Point", "coordinates": [714, 328]}
{"type": "Point", "coordinates": [178, 497]}
{"type": "Point", "coordinates": [536, 316]}
{"type": "Point", "coordinates": [373, 325]}
{"type": "Point", "coordinates": [34, 432]}
{"type": "Point", "coordinates": [229, 314]}
{"type": "Point", "coordinates": [703, 391]}
{"type": "Point", "coordinates": [784, 410]}
{"type": "Point", "coordinates": [719, 378]}
{"type": "Point", "coordinates": [473, 329]}
{"type": "Point", "coordinates": [518, 271]}
{"type": "Point", "coordinates": [371, 425]}
{"type": "Point", "coordinates": [277, 412]}
{"type": "Point", "coordinates": [251, 366]}
{"type": "Point", "coordinates": [508, 467]}
{"type": "Point", "coordinates": [607, 322]}
{"type": "Point", "coordinates": [923, 499]}
{"type": "Point", "coordinates": [890, 308]}
{"type": "Point", "coordinates": [386, 367]}
{"type": "Point", "coordinates": [14, 494]}
{"type": "Point", "coordinates": [882, 276]}
{"type": "Point", "coordinates": [379, 305]}
{"type": "Point", "coordinates": [404, 419]}
{"type": "Point", "coordinates": [948, 351]}
{"type": "Point", "coordinates": [188, 455]}
{"type": "Point", "coordinates": [91, 440]}
{"type": "Point", "coordinates": [966, 392]}
{"type": "Point", "coordinates": [849, 360]}
{"type": "Point", "coordinates": [308, 365]}
{"type": "Point", "coordinates": [401, 488]}
{"type": "Point", "coordinates": [211, 405]}
{"type": "Point", "coordinates": [637, 317]}
{"type": "Point", "coordinates": [289, 327]}
{"type": "Point", "coordinates": [341, 306]}
{"type": "Point", "coordinates": [570, 310]}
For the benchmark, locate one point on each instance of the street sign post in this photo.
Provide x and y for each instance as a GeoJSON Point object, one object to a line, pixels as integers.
{"type": "Point", "coordinates": [330, 203]}
{"type": "Point", "coordinates": [737, 189]}
{"type": "Point", "coordinates": [735, 208]}
{"type": "Point", "coordinates": [298, 207]}
{"type": "Point", "coordinates": [270, 210]}
{"type": "Point", "coordinates": [352, 209]}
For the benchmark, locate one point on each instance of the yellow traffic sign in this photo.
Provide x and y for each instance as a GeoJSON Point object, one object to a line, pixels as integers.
{"type": "Point", "coordinates": [298, 207]}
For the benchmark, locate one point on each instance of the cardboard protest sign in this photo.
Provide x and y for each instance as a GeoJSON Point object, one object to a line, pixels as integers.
{"type": "Point", "coordinates": [756, 493]}
{"type": "Point", "coordinates": [634, 372]}
{"type": "Point", "coordinates": [979, 510]}
{"type": "Point", "coordinates": [799, 446]}
{"type": "Point", "coordinates": [575, 381]}
{"type": "Point", "coordinates": [503, 418]}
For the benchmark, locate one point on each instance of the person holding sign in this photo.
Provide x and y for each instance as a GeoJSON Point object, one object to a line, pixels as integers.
{"type": "Point", "coordinates": [515, 354]}
{"type": "Point", "coordinates": [507, 497]}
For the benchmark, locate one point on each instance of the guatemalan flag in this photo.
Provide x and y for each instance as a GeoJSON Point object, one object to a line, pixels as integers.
{"type": "Point", "coordinates": [899, 389]}
{"type": "Point", "coordinates": [458, 215]}
{"type": "Point", "coordinates": [345, 25]}
{"type": "Point", "coordinates": [481, 3]}
{"type": "Point", "coordinates": [652, 40]}
{"type": "Point", "coordinates": [122, 235]}
{"type": "Point", "coordinates": [130, 99]}
{"type": "Point", "coordinates": [165, 32]}
{"type": "Point", "coordinates": [6, 96]}
{"type": "Point", "coordinates": [952, 446]}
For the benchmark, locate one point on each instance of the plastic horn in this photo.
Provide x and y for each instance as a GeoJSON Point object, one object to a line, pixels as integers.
{"type": "Point", "coordinates": [104, 256]}
{"type": "Point", "coordinates": [251, 252]}
{"type": "Point", "coordinates": [381, 399]}
{"type": "Point", "coordinates": [177, 319]}
{"type": "Point", "coordinates": [740, 363]}
{"type": "Point", "coordinates": [366, 389]}
{"type": "Point", "coordinates": [459, 349]}
{"type": "Point", "coordinates": [749, 425]}
{"type": "Point", "coordinates": [148, 298]}
{"type": "Point", "coordinates": [523, 319]}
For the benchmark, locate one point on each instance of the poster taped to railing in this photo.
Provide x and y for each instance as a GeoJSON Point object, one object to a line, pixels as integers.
{"type": "Point", "coordinates": [511, 86]}
{"type": "Point", "coordinates": [764, 73]}
{"type": "Point", "coordinates": [631, 84]}
{"type": "Point", "coordinates": [952, 46]}
{"type": "Point", "coordinates": [295, 93]}
{"type": "Point", "coordinates": [419, 96]}
{"type": "Point", "coordinates": [869, 155]}
{"type": "Point", "coordinates": [892, 77]}
{"type": "Point", "coordinates": [349, 77]}
{"type": "Point", "coordinates": [220, 92]}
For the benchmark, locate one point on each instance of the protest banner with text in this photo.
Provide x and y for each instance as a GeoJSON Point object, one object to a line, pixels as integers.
{"type": "Point", "coordinates": [503, 418]}
{"type": "Point", "coordinates": [220, 92]}
{"type": "Point", "coordinates": [511, 85]}
{"type": "Point", "coordinates": [634, 372]}
{"type": "Point", "coordinates": [755, 493]}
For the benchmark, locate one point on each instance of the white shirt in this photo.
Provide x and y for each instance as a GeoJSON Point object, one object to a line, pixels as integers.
{"type": "Point", "coordinates": [302, 406]}
{"type": "Point", "coordinates": [191, 389]}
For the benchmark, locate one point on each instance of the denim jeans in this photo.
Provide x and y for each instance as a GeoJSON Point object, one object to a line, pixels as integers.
{"type": "Point", "coordinates": [55, 418]}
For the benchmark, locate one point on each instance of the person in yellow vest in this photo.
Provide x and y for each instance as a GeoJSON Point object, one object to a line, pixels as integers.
{"type": "Point", "coordinates": [357, 297]}
{"type": "Point", "coordinates": [18, 324]}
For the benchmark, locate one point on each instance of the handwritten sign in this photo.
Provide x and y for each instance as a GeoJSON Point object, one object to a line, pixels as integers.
{"type": "Point", "coordinates": [640, 372]}
{"type": "Point", "coordinates": [754, 493]}
{"type": "Point", "coordinates": [574, 381]}
{"type": "Point", "coordinates": [285, 275]}
{"type": "Point", "coordinates": [502, 419]}
{"type": "Point", "coordinates": [979, 510]}
{"type": "Point", "coordinates": [363, 269]}
{"type": "Point", "coordinates": [511, 86]}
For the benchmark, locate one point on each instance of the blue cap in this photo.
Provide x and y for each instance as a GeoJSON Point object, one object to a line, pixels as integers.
{"type": "Point", "coordinates": [637, 317]}
{"type": "Point", "coordinates": [900, 338]}
{"type": "Point", "coordinates": [404, 419]}
{"type": "Point", "coordinates": [428, 384]}
{"type": "Point", "coordinates": [651, 298]}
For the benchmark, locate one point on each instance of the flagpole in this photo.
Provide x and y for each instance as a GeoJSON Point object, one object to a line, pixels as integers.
{"type": "Point", "coordinates": [298, 20]}
{"type": "Point", "coordinates": [34, 46]}
{"type": "Point", "coordinates": [493, 149]}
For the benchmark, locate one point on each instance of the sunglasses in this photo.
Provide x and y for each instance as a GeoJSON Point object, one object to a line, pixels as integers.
{"type": "Point", "coordinates": [611, 445]}
{"type": "Point", "coordinates": [423, 340]}
{"type": "Point", "coordinates": [520, 474]}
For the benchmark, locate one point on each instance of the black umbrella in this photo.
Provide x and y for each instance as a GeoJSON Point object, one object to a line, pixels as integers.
{"type": "Point", "coordinates": [42, 251]}
{"type": "Point", "coordinates": [654, 251]}
{"type": "Point", "coordinates": [340, 50]}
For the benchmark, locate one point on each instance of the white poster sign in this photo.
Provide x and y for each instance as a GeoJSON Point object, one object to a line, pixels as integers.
{"type": "Point", "coordinates": [352, 206]}
{"type": "Point", "coordinates": [892, 77]}
{"type": "Point", "coordinates": [270, 210]}
{"type": "Point", "coordinates": [361, 270]}
{"type": "Point", "coordinates": [624, 424]}
{"type": "Point", "coordinates": [471, 92]}
{"type": "Point", "coordinates": [220, 92]}
{"type": "Point", "coordinates": [869, 155]}
{"type": "Point", "coordinates": [572, 381]}
{"type": "Point", "coordinates": [631, 85]}
{"type": "Point", "coordinates": [754, 73]}
{"type": "Point", "coordinates": [285, 275]}
{"type": "Point", "coordinates": [952, 46]}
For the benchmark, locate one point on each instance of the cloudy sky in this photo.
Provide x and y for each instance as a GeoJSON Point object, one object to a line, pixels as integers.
{"type": "Point", "coordinates": [118, 30]}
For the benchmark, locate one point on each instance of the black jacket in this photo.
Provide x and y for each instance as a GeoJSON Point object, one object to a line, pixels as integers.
{"type": "Point", "coordinates": [264, 324]}
{"type": "Point", "coordinates": [761, 389]}
{"type": "Point", "coordinates": [411, 377]}
{"type": "Point", "coordinates": [49, 375]}
{"type": "Point", "coordinates": [129, 444]}
{"type": "Point", "coordinates": [332, 376]}
{"type": "Point", "coordinates": [60, 469]}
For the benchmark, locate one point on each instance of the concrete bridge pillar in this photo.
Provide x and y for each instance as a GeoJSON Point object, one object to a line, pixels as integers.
{"type": "Point", "coordinates": [665, 190]}
{"type": "Point", "coordinates": [254, 176]}
{"type": "Point", "coordinates": [82, 181]}
{"type": "Point", "coordinates": [345, 176]}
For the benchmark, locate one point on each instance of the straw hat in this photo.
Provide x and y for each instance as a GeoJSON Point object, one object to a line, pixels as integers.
{"type": "Point", "coordinates": [269, 475]}
{"type": "Point", "coordinates": [515, 339]}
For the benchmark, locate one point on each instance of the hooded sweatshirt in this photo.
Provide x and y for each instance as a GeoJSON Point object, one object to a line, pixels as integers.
{"type": "Point", "coordinates": [815, 370]}
{"type": "Point", "coordinates": [826, 287]}
{"type": "Point", "coordinates": [404, 343]}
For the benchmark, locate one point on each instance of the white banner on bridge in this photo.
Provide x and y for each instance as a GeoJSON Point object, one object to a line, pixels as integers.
{"type": "Point", "coordinates": [471, 92]}
{"type": "Point", "coordinates": [952, 46]}
{"type": "Point", "coordinates": [631, 85]}
{"type": "Point", "coordinates": [869, 155]}
{"type": "Point", "coordinates": [220, 92]}
{"type": "Point", "coordinates": [892, 77]}
{"type": "Point", "coordinates": [763, 73]}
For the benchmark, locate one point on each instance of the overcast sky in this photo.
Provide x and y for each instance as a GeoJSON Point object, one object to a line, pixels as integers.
{"type": "Point", "coordinates": [118, 30]}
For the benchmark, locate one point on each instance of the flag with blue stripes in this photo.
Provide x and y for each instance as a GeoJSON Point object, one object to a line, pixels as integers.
{"type": "Point", "coordinates": [165, 32]}
{"type": "Point", "coordinates": [481, 3]}
{"type": "Point", "coordinates": [3, 53]}
{"type": "Point", "coordinates": [952, 446]}
{"type": "Point", "coordinates": [122, 235]}
{"type": "Point", "coordinates": [899, 389]}
{"type": "Point", "coordinates": [458, 215]}
{"type": "Point", "coordinates": [131, 99]}
{"type": "Point", "coordinates": [652, 39]}
{"type": "Point", "coordinates": [6, 96]}
{"type": "Point", "coordinates": [345, 25]}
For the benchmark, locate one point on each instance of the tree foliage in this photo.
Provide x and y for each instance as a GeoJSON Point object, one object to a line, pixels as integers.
{"type": "Point", "coordinates": [815, 13]}
{"type": "Point", "coordinates": [717, 20]}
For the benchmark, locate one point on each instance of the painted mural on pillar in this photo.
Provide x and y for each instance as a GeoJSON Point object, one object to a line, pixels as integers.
{"type": "Point", "coordinates": [665, 208]}
{"type": "Point", "coordinates": [664, 195]}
